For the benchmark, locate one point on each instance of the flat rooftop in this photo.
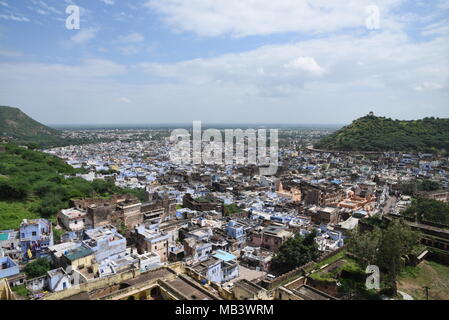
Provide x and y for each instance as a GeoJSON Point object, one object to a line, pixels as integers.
{"type": "Point", "coordinates": [187, 290]}
{"type": "Point", "coordinates": [78, 253]}
{"type": "Point", "coordinates": [223, 255]}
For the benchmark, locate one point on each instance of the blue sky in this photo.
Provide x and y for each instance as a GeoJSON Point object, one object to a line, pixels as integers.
{"type": "Point", "coordinates": [242, 61]}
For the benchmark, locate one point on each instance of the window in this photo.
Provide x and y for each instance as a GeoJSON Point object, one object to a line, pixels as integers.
{"type": "Point", "coordinates": [33, 233]}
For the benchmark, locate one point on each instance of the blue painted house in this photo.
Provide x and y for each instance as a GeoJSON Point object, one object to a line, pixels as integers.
{"type": "Point", "coordinates": [35, 238]}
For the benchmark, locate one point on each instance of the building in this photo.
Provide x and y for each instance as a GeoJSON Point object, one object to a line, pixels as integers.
{"type": "Point", "coordinates": [58, 280]}
{"type": "Point", "coordinates": [151, 239]}
{"type": "Point", "coordinates": [247, 290]}
{"type": "Point", "coordinates": [10, 243]}
{"type": "Point", "coordinates": [79, 258]}
{"type": "Point", "coordinates": [321, 195]}
{"type": "Point", "coordinates": [270, 237]}
{"type": "Point", "coordinates": [131, 213]}
{"type": "Point", "coordinates": [35, 238]}
{"type": "Point", "coordinates": [441, 195]}
{"type": "Point", "coordinates": [326, 215]}
{"type": "Point", "coordinates": [8, 267]}
{"type": "Point", "coordinates": [220, 267]}
{"type": "Point", "coordinates": [234, 230]}
{"type": "Point", "coordinates": [74, 219]}
{"type": "Point", "coordinates": [197, 250]}
{"type": "Point", "coordinates": [149, 260]}
{"type": "Point", "coordinates": [104, 242]}
{"type": "Point", "coordinates": [202, 204]}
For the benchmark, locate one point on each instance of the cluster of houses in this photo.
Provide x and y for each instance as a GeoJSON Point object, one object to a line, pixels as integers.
{"type": "Point", "coordinates": [215, 220]}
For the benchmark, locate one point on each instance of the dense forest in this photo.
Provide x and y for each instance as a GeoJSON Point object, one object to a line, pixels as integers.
{"type": "Point", "coordinates": [34, 184]}
{"type": "Point", "coordinates": [372, 133]}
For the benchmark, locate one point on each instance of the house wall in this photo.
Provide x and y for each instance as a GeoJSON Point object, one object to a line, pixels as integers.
{"type": "Point", "coordinates": [8, 267]}
{"type": "Point", "coordinates": [214, 273]}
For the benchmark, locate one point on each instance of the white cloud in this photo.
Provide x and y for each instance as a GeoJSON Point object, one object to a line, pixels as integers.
{"type": "Point", "coordinates": [89, 68]}
{"type": "Point", "coordinates": [329, 79]}
{"type": "Point", "coordinates": [108, 2]}
{"type": "Point", "coordinates": [132, 38]}
{"type": "Point", "coordinates": [263, 17]}
{"type": "Point", "coordinates": [14, 18]}
{"type": "Point", "coordinates": [306, 63]}
{"type": "Point", "coordinates": [438, 28]}
{"type": "Point", "coordinates": [44, 7]}
{"type": "Point", "coordinates": [124, 100]}
{"type": "Point", "coordinates": [129, 50]}
{"type": "Point", "coordinates": [4, 4]}
{"type": "Point", "coordinates": [84, 35]}
{"type": "Point", "coordinates": [428, 86]}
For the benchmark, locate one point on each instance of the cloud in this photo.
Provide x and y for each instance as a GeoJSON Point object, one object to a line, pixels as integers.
{"type": "Point", "coordinates": [242, 18]}
{"type": "Point", "coordinates": [84, 35]}
{"type": "Point", "coordinates": [108, 2]}
{"type": "Point", "coordinates": [306, 63]}
{"type": "Point", "coordinates": [89, 68]}
{"type": "Point", "coordinates": [438, 28]}
{"type": "Point", "coordinates": [132, 38]}
{"type": "Point", "coordinates": [428, 86]}
{"type": "Point", "coordinates": [44, 8]}
{"type": "Point", "coordinates": [129, 50]}
{"type": "Point", "coordinates": [14, 18]}
{"type": "Point", "coordinates": [124, 100]}
{"type": "Point", "coordinates": [331, 78]}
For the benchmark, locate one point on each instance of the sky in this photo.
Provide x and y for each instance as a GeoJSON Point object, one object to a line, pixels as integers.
{"type": "Point", "coordinates": [225, 61]}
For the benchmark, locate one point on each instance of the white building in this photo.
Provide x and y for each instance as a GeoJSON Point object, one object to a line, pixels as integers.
{"type": "Point", "coordinates": [74, 219]}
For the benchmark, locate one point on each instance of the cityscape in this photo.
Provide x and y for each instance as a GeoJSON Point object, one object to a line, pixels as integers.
{"type": "Point", "coordinates": [262, 173]}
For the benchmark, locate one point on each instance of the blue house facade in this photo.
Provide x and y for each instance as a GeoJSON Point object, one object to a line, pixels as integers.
{"type": "Point", "coordinates": [35, 238]}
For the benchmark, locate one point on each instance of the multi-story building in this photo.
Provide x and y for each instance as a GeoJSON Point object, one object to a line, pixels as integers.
{"type": "Point", "coordinates": [35, 238]}
{"type": "Point", "coordinates": [151, 239]}
{"type": "Point", "coordinates": [104, 242]}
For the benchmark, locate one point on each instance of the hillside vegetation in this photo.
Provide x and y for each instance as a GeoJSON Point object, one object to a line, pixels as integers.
{"type": "Point", "coordinates": [16, 125]}
{"type": "Point", "coordinates": [371, 133]}
{"type": "Point", "coordinates": [34, 184]}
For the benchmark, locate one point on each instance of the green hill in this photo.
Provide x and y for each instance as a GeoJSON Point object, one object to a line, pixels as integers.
{"type": "Point", "coordinates": [16, 125]}
{"type": "Point", "coordinates": [371, 133]}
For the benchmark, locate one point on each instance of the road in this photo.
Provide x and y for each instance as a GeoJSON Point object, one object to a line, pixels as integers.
{"type": "Point", "coordinates": [390, 203]}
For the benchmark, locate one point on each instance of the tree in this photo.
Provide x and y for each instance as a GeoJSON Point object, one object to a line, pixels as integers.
{"type": "Point", "coordinates": [428, 210]}
{"type": "Point", "coordinates": [295, 252]}
{"type": "Point", "coordinates": [37, 268]}
{"type": "Point", "coordinates": [387, 248]}
{"type": "Point", "coordinates": [397, 242]}
{"type": "Point", "coordinates": [13, 189]}
{"type": "Point", "coordinates": [365, 245]}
